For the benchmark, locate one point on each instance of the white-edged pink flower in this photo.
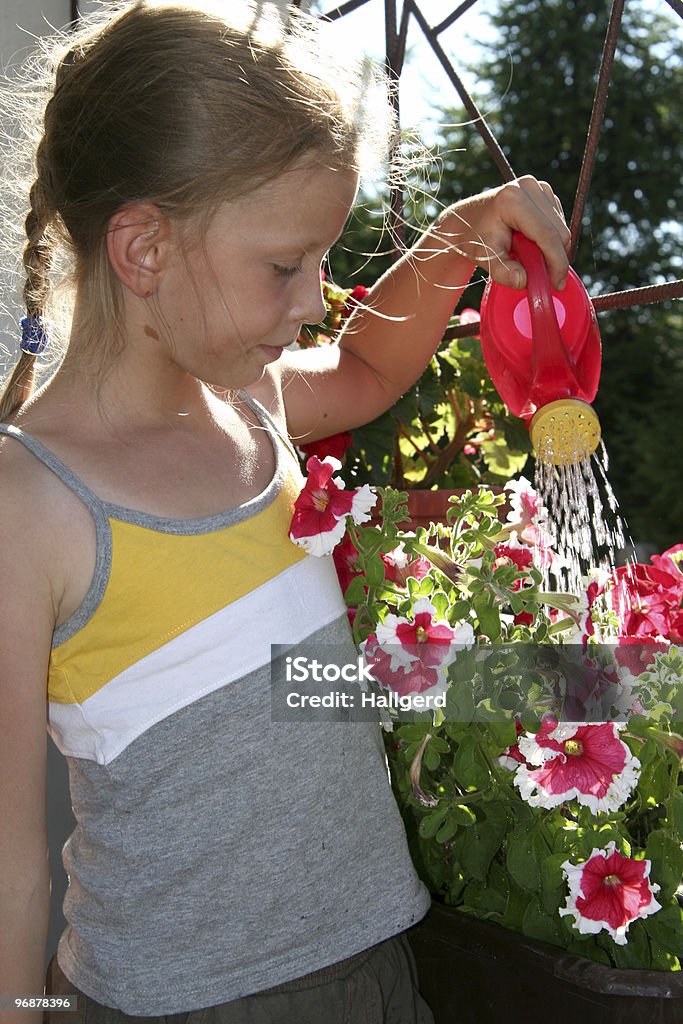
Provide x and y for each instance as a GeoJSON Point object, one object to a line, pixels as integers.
{"type": "Point", "coordinates": [320, 511]}
{"type": "Point", "coordinates": [399, 566]}
{"type": "Point", "coordinates": [609, 892]}
{"type": "Point", "coordinates": [587, 763]}
{"type": "Point", "coordinates": [527, 513]}
{"type": "Point", "coordinates": [424, 637]}
{"type": "Point", "coordinates": [415, 677]}
{"type": "Point", "coordinates": [529, 517]}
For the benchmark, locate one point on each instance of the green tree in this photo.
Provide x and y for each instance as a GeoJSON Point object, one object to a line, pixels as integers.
{"type": "Point", "coordinates": [536, 84]}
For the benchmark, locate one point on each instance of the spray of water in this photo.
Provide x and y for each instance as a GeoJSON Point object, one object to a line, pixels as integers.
{"type": "Point", "coordinates": [586, 528]}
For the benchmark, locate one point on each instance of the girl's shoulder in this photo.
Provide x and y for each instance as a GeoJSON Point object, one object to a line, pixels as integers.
{"type": "Point", "coordinates": [42, 525]}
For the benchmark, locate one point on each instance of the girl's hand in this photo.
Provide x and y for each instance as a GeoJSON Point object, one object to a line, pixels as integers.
{"type": "Point", "coordinates": [481, 229]}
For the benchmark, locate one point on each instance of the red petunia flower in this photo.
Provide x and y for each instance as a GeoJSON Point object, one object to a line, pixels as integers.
{"type": "Point", "coordinates": [587, 763]}
{"type": "Point", "coordinates": [320, 511]}
{"type": "Point", "coordinates": [345, 557]}
{"type": "Point", "coordinates": [609, 892]}
{"type": "Point", "coordinates": [644, 598]}
{"type": "Point", "coordinates": [356, 297]}
{"type": "Point", "coordinates": [335, 445]}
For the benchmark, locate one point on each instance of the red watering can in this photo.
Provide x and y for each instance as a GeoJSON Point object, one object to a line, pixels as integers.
{"type": "Point", "coordinates": [542, 349]}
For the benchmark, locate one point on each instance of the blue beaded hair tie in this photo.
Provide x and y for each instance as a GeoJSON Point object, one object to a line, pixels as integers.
{"type": "Point", "coordinates": [33, 335]}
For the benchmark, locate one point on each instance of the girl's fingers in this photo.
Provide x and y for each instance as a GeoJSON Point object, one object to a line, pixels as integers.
{"type": "Point", "coordinates": [525, 205]}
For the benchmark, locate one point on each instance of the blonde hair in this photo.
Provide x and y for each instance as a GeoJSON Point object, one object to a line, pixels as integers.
{"type": "Point", "coordinates": [181, 105]}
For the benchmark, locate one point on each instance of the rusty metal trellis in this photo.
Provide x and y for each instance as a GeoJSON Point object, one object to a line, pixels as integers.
{"type": "Point", "coordinates": [396, 45]}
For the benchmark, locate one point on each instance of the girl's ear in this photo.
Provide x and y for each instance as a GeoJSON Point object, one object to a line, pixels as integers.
{"type": "Point", "coordinates": [138, 245]}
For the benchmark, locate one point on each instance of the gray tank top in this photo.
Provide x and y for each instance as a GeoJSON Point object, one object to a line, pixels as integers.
{"type": "Point", "coordinates": [216, 853]}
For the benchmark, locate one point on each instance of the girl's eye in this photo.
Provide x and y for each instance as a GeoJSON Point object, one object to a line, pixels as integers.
{"type": "Point", "coordinates": [287, 271]}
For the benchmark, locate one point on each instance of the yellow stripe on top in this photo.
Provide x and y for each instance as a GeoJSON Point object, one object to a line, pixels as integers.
{"type": "Point", "coordinates": [170, 582]}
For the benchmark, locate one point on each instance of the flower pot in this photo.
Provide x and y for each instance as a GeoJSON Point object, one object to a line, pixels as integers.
{"type": "Point", "coordinates": [425, 507]}
{"type": "Point", "coordinates": [476, 972]}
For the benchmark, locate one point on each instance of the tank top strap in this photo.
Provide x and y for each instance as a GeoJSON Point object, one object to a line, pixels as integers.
{"type": "Point", "coordinates": [103, 539]}
{"type": "Point", "coordinates": [49, 459]}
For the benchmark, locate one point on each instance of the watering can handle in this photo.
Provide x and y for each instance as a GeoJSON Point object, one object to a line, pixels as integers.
{"type": "Point", "coordinates": [550, 356]}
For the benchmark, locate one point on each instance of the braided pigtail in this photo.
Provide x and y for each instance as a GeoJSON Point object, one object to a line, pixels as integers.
{"type": "Point", "coordinates": [37, 260]}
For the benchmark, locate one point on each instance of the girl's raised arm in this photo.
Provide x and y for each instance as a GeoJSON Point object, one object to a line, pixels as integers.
{"type": "Point", "coordinates": [387, 343]}
{"type": "Point", "coordinates": [26, 624]}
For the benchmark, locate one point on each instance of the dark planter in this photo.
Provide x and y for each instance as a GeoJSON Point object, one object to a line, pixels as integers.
{"type": "Point", "coordinates": [474, 972]}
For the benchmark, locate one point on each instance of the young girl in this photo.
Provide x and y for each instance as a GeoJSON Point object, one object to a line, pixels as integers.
{"type": "Point", "coordinates": [198, 167]}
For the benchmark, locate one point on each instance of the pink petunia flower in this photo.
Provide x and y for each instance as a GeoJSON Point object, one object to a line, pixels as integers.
{"type": "Point", "coordinates": [513, 553]}
{"type": "Point", "coordinates": [609, 892]}
{"type": "Point", "coordinates": [416, 677]}
{"type": "Point", "coordinates": [671, 561]}
{"type": "Point", "coordinates": [399, 566]}
{"type": "Point", "coordinates": [529, 517]}
{"type": "Point", "coordinates": [637, 653]}
{"type": "Point", "coordinates": [644, 598]}
{"type": "Point", "coordinates": [320, 511]}
{"type": "Point", "coordinates": [587, 763]}
{"type": "Point", "coordinates": [424, 638]}
{"type": "Point", "coordinates": [345, 557]}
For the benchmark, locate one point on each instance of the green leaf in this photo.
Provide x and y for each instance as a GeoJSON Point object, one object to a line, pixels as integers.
{"type": "Point", "coordinates": [374, 571]}
{"type": "Point", "coordinates": [525, 854]}
{"type": "Point", "coordinates": [463, 815]}
{"type": "Point", "coordinates": [431, 758]}
{"type": "Point", "coordinates": [459, 703]}
{"type": "Point", "coordinates": [677, 813]}
{"type": "Point", "coordinates": [432, 822]}
{"type": "Point", "coordinates": [478, 845]}
{"type": "Point", "coordinates": [654, 780]}
{"type": "Point", "coordinates": [666, 928]}
{"type": "Point", "coordinates": [447, 830]}
{"type": "Point", "coordinates": [538, 924]}
{"type": "Point", "coordinates": [355, 592]}
{"type": "Point", "coordinates": [667, 863]}
{"type": "Point", "coordinates": [636, 952]}
{"type": "Point", "coordinates": [488, 616]}
{"type": "Point", "coordinates": [503, 734]}
{"type": "Point", "coordinates": [484, 899]}
{"type": "Point", "coordinates": [553, 885]}
{"type": "Point", "coordinates": [469, 764]}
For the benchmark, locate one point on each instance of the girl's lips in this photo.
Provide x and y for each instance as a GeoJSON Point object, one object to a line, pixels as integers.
{"type": "Point", "coordinates": [271, 352]}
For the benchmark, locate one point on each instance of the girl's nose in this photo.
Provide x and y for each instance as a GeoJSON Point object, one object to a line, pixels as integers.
{"type": "Point", "coordinates": [310, 305]}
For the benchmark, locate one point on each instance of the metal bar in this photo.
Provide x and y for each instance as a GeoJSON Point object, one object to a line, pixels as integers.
{"type": "Point", "coordinates": [601, 303]}
{"type": "Point", "coordinates": [470, 106]}
{"type": "Point", "coordinates": [347, 8]}
{"type": "Point", "coordinates": [677, 6]}
{"type": "Point", "coordinates": [639, 296]}
{"type": "Point", "coordinates": [394, 66]}
{"type": "Point", "coordinates": [447, 22]}
{"type": "Point", "coordinates": [595, 126]}
{"type": "Point", "coordinates": [75, 13]}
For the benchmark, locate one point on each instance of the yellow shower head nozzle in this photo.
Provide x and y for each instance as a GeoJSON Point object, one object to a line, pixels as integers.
{"type": "Point", "coordinates": [565, 431]}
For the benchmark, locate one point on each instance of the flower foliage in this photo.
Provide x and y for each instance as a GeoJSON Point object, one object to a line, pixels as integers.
{"type": "Point", "coordinates": [543, 791]}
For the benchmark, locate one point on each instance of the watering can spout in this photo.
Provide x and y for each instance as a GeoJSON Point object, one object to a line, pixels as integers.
{"type": "Point", "coordinates": [542, 349]}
